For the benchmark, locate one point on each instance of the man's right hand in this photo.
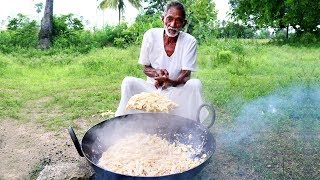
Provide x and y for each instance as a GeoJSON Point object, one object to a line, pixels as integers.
{"type": "Point", "coordinates": [162, 73]}
{"type": "Point", "coordinates": [161, 78]}
{"type": "Point", "coordinates": [157, 84]}
{"type": "Point", "coordinates": [159, 75]}
{"type": "Point", "coordinates": [152, 72]}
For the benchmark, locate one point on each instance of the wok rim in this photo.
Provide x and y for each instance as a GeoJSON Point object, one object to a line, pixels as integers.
{"type": "Point", "coordinates": [162, 176]}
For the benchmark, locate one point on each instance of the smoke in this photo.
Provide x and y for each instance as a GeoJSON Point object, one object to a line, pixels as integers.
{"type": "Point", "coordinates": [298, 103]}
{"type": "Point", "coordinates": [172, 128]}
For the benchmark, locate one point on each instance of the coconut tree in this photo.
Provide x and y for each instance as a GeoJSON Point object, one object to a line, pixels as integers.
{"type": "Point", "coordinates": [118, 4]}
{"type": "Point", "coordinates": [45, 34]}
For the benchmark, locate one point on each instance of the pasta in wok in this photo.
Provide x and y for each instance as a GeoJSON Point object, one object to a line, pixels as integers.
{"type": "Point", "coordinates": [148, 155]}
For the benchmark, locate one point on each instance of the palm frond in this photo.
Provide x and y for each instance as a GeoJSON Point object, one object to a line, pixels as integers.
{"type": "Point", "coordinates": [135, 3]}
{"type": "Point", "coordinates": [109, 4]}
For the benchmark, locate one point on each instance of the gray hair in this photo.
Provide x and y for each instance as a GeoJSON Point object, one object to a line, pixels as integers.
{"type": "Point", "coordinates": [176, 5]}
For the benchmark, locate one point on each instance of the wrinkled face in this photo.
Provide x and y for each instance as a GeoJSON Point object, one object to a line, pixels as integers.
{"type": "Point", "coordinates": [173, 22]}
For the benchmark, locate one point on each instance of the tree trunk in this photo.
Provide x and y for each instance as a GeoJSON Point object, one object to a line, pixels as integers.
{"type": "Point", "coordinates": [45, 34]}
{"type": "Point", "coordinates": [119, 8]}
{"type": "Point", "coordinates": [119, 15]}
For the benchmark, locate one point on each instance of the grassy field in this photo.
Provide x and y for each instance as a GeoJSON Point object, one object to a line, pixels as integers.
{"type": "Point", "coordinates": [266, 97]}
{"type": "Point", "coordinates": [71, 85]}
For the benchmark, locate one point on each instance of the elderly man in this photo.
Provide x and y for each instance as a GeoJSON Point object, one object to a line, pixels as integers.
{"type": "Point", "coordinates": [168, 56]}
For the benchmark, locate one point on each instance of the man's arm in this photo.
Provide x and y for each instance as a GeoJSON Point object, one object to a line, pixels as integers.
{"type": "Point", "coordinates": [152, 72]}
{"type": "Point", "coordinates": [182, 79]}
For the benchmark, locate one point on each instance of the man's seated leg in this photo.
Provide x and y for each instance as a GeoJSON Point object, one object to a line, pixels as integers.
{"type": "Point", "coordinates": [194, 87]}
{"type": "Point", "coordinates": [129, 87]}
{"type": "Point", "coordinates": [189, 99]}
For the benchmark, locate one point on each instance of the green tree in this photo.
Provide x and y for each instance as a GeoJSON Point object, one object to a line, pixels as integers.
{"type": "Point", "coordinates": [118, 4]}
{"type": "Point", "coordinates": [144, 22]}
{"type": "Point", "coordinates": [235, 30]}
{"type": "Point", "coordinates": [201, 15]}
{"type": "Point", "coordinates": [302, 15]}
{"type": "Point", "coordinates": [155, 6]}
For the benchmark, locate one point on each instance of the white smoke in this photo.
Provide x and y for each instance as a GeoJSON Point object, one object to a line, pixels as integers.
{"type": "Point", "coordinates": [296, 103]}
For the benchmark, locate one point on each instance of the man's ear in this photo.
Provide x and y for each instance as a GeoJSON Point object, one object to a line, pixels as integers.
{"type": "Point", "coordinates": [162, 19]}
{"type": "Point", "coordinates": [185, 22]}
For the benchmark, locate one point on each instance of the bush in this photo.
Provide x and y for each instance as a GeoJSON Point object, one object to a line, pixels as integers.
{"type": "Point", "coordinates": [224, 57]}
{"type": "Point", "coordinates": [309, 38]}
{"type": "Point", "coordinates": [21, 32]}
{"type": "Point", "coordinates": [120, 42]}
{"type": "Point", "coordinates": [69, 33]}
{"type": "Point", "coordinates": [104, 37]}
{"type": "Point", "coordinates": [65, 24]}
{"type": "Point", "coordinates": [113, 35]}
{"type": "Point", "coordinates": [81, 41]}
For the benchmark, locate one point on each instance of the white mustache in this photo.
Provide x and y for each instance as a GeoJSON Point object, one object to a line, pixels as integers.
{"type": "Point", "coordinates": [171, 28]}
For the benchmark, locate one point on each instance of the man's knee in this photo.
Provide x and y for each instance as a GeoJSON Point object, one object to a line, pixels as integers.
{"type": "Point", "coordinates": [194, 84]}
{"type": "Point", "coordinates": [128, 81]}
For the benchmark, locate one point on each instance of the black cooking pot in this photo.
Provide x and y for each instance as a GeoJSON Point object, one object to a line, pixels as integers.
{"type": "Point", "coordinates": [171, 127]}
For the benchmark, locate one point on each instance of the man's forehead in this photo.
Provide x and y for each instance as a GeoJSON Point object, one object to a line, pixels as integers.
{"type": "Point", "coordinates": [174, 12]}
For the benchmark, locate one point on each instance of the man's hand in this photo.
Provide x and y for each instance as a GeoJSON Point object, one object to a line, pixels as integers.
{"type": "Point", "coordinates": [152, 72]}
{"type": "Point", "coordinates": [163, 81]}
{"type": "Point", "coordinates": [161, 77]}
{"type": "Point", "coordinates": [162, 73]}
{"type": "Point", "coordinates": [157, 84]}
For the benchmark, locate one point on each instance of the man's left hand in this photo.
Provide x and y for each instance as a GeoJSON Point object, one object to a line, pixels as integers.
{"type": "Point", "coordinates": [164, 80]}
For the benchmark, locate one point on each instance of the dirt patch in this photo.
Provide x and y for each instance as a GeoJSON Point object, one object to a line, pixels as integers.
{"type": "Point", "coordinates": [36, 109]}
{"type": "Point", "coordinates": [24, 146]}
{"type": "Point", "coordinates": [27, 147]}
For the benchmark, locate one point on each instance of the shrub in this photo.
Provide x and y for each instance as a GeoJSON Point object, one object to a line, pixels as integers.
{"type": "Point", "coordinates": [120, 42]}
{"type": "Point", "coordinates": [21, 32]}
{"type": "Point", "coordinates": [224, 57]}
{"type": "Point", "coordinates": [309, 38]}
{"type": "Point", "coordinates": [113, 35]}
{"type": "Point", "coordinates": [104, 37]}
{"type": "Point", "coordinates": [69, 33]}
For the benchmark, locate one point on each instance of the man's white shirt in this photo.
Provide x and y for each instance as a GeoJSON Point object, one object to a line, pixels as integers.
{"type": "Point", "coordinates": [153, 53]}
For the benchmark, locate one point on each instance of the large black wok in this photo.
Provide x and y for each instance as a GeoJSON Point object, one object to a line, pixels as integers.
{"type": "Point", "coordinates": [174, 128]}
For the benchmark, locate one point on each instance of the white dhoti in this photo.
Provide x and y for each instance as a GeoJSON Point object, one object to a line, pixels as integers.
{"type": "Point", "coordinates": [187, 96]}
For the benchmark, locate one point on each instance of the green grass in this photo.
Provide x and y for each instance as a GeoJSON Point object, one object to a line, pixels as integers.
{"type": "Point", "coordinates": [68, 86]}
{"type": "Point", "coordinates": [256, 69]}
{"type": "Point", "coordinates": [78, 86]}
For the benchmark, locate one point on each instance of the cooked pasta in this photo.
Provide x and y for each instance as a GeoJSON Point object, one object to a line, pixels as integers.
{"type": "Point", "coordinates": [150, 102]}
{"type": "Point", "coordinates": [148, 155]}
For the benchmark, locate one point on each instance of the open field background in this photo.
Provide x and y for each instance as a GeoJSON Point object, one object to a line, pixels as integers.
{"type": "Point", "coordinates": [241, 79]}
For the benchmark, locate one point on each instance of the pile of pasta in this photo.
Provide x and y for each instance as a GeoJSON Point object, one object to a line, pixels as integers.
{"type": "Point", "coordinates": [148, 155]}
{"type": "Point", "coordinates": [150, 102]}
